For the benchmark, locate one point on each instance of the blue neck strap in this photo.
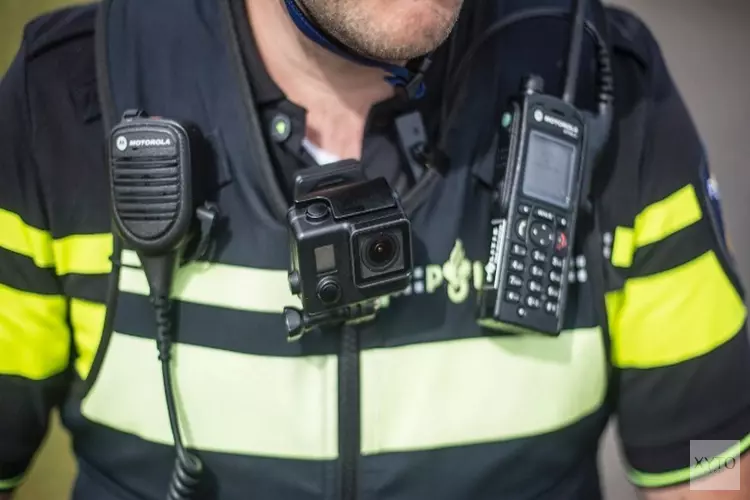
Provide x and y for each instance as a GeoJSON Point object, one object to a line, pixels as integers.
{"type": "Point", "coordinates": [412, 83]}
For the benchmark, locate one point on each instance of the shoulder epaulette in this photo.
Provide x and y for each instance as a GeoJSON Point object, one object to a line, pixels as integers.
{"type": "Point", "coordinates": [57, 28]}
{"type": "Point", "coordinates": [630, 34]}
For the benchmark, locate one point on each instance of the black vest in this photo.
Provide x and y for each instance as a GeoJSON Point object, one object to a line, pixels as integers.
{"type": "Point", "coordinates": [420, 403]}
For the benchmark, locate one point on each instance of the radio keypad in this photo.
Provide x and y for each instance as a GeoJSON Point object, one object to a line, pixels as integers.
{"type": "Point", "coordinates": [517, 249]}
{"type": "Point", "coordinates": [517, 266]}
{"type": "Point", "coordinates": [515, 281]}
{"type": "Point", "coordinates": [541, 213]}
{"type": "Point", "coordinates": [537, 289]}
{"type": "Point", "coordinates": [533, 302]}
{"type": "Point", "coordinates": [541, 234]}
{"type": "Point", "coordinates": [521, 229]}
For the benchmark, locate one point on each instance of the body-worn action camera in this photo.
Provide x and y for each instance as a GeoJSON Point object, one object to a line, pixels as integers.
{"type": "Point", "coordinates": [539, 177]}
{"type": "Point", "coordinates": [350, 245]}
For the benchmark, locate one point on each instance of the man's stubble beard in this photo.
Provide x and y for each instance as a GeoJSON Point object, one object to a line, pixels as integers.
{"type": "Point", "coordinates": [358, 28]}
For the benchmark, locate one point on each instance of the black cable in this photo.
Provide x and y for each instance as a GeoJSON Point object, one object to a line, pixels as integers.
{"type": "Point", "coordinates": [188, 468]}
{"type": "Point", "coordinates": [574, 51]}
{"type": "Point", "coordinates": [604, 69]}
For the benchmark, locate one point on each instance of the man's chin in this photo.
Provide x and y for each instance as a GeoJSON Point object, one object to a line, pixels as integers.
{"type": "Point", "coordinates": [387, 30]}
{"type": "Point", "coordinates": [412, 36]}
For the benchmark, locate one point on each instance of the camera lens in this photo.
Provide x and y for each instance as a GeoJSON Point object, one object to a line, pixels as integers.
{"type": "Point", "coordinates": [380, 252]}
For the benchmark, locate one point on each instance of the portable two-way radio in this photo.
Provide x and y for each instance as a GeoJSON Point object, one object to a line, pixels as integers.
{"type": "Point", "coordinates": [543, 154]}
{"type": "Point", "coordinates": [547, 149]}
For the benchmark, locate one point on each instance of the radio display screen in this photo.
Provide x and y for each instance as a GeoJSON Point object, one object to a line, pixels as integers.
{"type": "Point", "coordinates": [550, 168]}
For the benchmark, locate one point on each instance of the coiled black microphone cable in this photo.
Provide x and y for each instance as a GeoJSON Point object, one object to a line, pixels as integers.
{"type": "Point", "coordinates": [188, 468]}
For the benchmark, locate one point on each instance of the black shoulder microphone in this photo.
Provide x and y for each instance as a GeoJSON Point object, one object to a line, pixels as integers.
{"type": "Point", "coordinates": [158, 196]}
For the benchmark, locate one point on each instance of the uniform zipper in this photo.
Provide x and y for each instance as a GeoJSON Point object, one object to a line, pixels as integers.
{"type": "Point", "coordinates": [349, 412]}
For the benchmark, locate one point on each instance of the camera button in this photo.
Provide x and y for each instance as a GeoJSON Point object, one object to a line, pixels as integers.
{"type": "Point", "coordinates": [329, 291]}
{"type": "Point", "coordinates": [316, 212]}
{"type": "Point", "coordinates": [295, 286]}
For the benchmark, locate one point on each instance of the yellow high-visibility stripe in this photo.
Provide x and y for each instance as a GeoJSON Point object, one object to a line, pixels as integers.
{"type": "Point", "coordinates": [219, 285]}
{"type": "Point", "coordinates": [417, 397]}
{"type": "Point", "coordinates": [76, 254]}
{"type": "Point", "coordinates": [655, 223]}
{"type": "Point", "coordinates": [623, 247]}
{"type": "Point", "coordinates": [675, 315]}
{"type": "Point", "coordinates": [34, 335]}
{"type": "Point", "coordinates": [696, 473]}
{"type": "Point", "coordinates": [83, 254]}
{"type": "Point", "coordinates": [668, 216]}
{"type": "Point", "coordinates": [21, 238]}
{"type": "Point", "coordinates": [12, 483]}
{"type": "Point", "coordinates": [87, 320]}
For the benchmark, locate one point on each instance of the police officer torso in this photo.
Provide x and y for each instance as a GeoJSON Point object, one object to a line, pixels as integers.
{"type": "Point", "coordinates": [420, 403]}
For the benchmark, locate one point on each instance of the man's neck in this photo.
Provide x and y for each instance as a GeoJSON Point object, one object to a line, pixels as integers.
{"type": "Point", "coordinates": [336, 93]}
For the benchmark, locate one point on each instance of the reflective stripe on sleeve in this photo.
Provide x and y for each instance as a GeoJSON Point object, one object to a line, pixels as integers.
{"type": "Point", "coordinates": [675, 315]}
{"type": "Point", "coordinates": [34, 335]}
{"type": "Point", "coordinates": [75, 254]}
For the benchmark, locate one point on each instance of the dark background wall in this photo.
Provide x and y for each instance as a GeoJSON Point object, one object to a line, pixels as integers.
{"type": "Point", "coordinates": [706, 46]}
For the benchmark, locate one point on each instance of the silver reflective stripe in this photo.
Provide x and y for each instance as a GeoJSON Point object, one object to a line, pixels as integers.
{"type": "Point", "coordinates": [220, 285]}
{"type": "Point", "coordinates": [417, 397]}
{"type": "Point", "coordinates": [228, 402]}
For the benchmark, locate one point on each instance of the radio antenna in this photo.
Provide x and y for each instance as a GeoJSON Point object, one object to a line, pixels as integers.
{"type": "Point", "coordinates": [578, 14]}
